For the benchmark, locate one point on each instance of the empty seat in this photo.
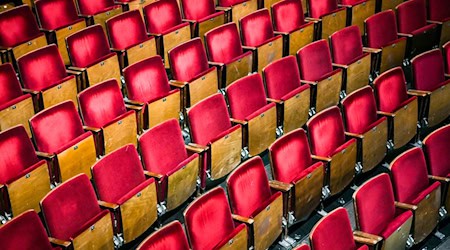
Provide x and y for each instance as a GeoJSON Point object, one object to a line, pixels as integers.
{"type": "Point", "coordinates": [122, 187]}
{"type": "Point", "coordinates": [209, 223]}
{"type": "Point", "coordinates": [73, 216]}
{"type": "Point", "coordinates": [364, 124]}
{"type": "Point", "coordinates": [59, 19]}
{"type": "Point", "coordinates": [52, 85]}
{"type": "Point", "coordinates": [329, 144]}
{"type": "Point", "coordinates": [249, 107]}
{"type": "Point", "coordinates": [237, 9]}
{"type": "Point", "coordinates": [258, 36]}
{"type": "Point", "coordinates": [415, 192]}
{"type": "Point", "coordinates": [252, 199]}
{"type": "Point", "coordinates": [293, 165]}
{"type": "Point", "coordinates": [174, 165]}
{"type": "Point", "coordinates": [59, 135]}
{"type": "Point", "coordinates": [104, 113]}
{"type": "Point", "coordinates": [24, 179]}
{"type": "Point", "coordinates": [316, 69]}
{"type": "Point", "coordinates": [169, 237]}
{"type": "Point", "coordinates": [202, 15]}
{"type": "Point", "coordinates": [329, 15]}
{"type": "Point", "coordinates": [191, 71]}
{"type": "Point", "coordinates": [289, 21]}
{"type": "Point", "coordinates": [128, 38]}
{"type": "Point", "coordinates": [97, 12]}
{"type": "Point", "coordinates": [349, 55]}
{"type": "Point", "coordinates": [15, 107]}
{"type": "Point", "coordinates": [397, 105]}
{"type": "Point", "coordinates": [378, 216]}
{"type": "Point", "coordinates": [438, 12]}
{"type": "Point", "coordinates": [358, 11]}
{"type": "Point", "coordinates": [282, 80]}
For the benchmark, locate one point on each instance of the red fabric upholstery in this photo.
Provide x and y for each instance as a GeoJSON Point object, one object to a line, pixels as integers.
{"type": "Point", "coordinates": [10, 88]}
{"type": "Point", "coordinates": [447, 57]}
{"type": "Point", "coordinates": [229, 3]}
{"type": "Point", "coordinates": [256, 28]}
{"type": "Point", "coordinates": [132, 23]}
{"type": "Point", "coordinates": [411, 15]}
{"type": "Point", "coordinates": [302, 247]}
{"type": "Point", "coordinates": [281, 77]}
{"type": "Point", "coordinates": [223, 43]}
{"type": "Point", "coordinates": [360, 110]}
{"type": "Point", "coordinates": [319, 8]}
{"type": "Point", "coordinates": [438, 10]}
{"type": "Point", "coordinates": [381, 29]}
{"type": "Point", "coordinates": [436, 147]}
{"type": "Point", "coordinates": [314, 60]}
{"type": "Point", "coordinates": [162, 15]}
{"type": "Point", "coordinates": [428, 70]}
{"type": "Point", "coordinates": [188, 60]}
{"type": "Point", "coordinates": [169, 237]}
{"type": "Point", "coordinates": [287, 15]}
{"type": "Point", "coordinates": [89, 7]}
{"type": "Point", "coordinates": [31, 65]}
{"type": "Point", "coordinates": [351, 2]}
{"type": "Point", "coordinates": [346, 45]}
{"type": "Point", "coordinates": [25, 232]}
{"type": "Point", "coordinates": [17, 26]}
{"type": "Point", "coordinates": [101, 103]}
{"type": "Point", "coordinates": [390, 90]}
{"type": "Point", "coordinates": [55, 14]}
{"type": "Point", "coordinates": [197, 9]}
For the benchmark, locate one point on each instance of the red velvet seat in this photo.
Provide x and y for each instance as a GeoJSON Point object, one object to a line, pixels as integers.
{"type": "Point", "coordinates": [24, 179]}
{"type": "Point", "coordinates": [358, 11]}
{"type": "Point", "coordinates": [378, 216]}
{"type": "Point", "coordinates": [59, 135]}
{"type": "Point", "coordinates": [225, 51]}
{"type": "Point", "coordinates": [397, 105]}
{"type": "Point", "coordinates": [169, 237]}
{"type": "Point", "coordinates": [174, 165]}
{"type": "Point", "coordinates": [133, 45]}
{"type": "Point", "coordinates": [237, 9]}
{"type": "Point", "coordinates": [258, 36]}
{"type": "Point", "coordinates": [438, 12]}
{"type": "Point", "coordinates": [191, 71]}
{"type": "Point", "coordinates": [293, 165]}
{"type": "Point", "coordinates": [302, 247]}
{"type": "Point", "coordinates": [316, 69]}
{"type": "Point", "coordinates": [282, 80]}
{"type": "Point", "coordinates": [329, 143]}
{"type": "Point", "coordinates": [15, 106]}
{"type": "Point", "coordinates": [104, 113]}
{"type": "Point", "coordinates": [97, 12]}
{"type": "Point", "coordinates": [249, 107]}
{"type": "Point", "coordinates": [446, 51]}
{"type": "Point", "coordinates": [202, 15]}
{"type": "Point", "coordinates": [209, 223]}
{"type": "Point", "coordinates": [413, 188]}
{"type": "Point", "coordinates": [258, 206]}
{"type": "Point", "coordinates": [122, 187]}
{"type": "Point", "coordinates": [72, 215]}
{"type": "Point", "coordinates": [330, 16]}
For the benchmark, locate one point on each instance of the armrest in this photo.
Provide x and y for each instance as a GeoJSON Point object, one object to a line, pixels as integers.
{"type": "Point", "coordinates": [135, 103]}
{"type": "Point", "coordinates": [371, 50]}
{"type": "Point", "coordinates": [447, 76]}
{"type": "Point", "coordinates": [344, 6]}
{"type": "Point", "coordinates": [405, 206]}
{"type": "Point", "coordinates": [216, 64]}
{"type": "Point", "coordinates": [439, 178]}
{"type": "Point", "coordinates": [154, 175]}
{"type": "Point", "coordinates": [134, 107]}
{"type": "Point", "coordinates": [154, 34]}
{"type": "Point", "coordinates": [76, 68]}
{"type": "Point", "coordinates": [117, 50]}
{"type": "Point", "coordinates": [404, 35]}
{"type": "Point", "coordinates": [342, 66]}
{"type": "Point", "coordinates": [46, 30]}
{"type": "Point", "coordinates": [73, 72]}
{"type": "Point", "coordinates": [385, 114]}
{"type": "Point", "coordinates": [84, 16]}
{"type": "Point", "coordinates": [420, 93]}
{"type": "Point", "coordinates": [236, 121]}
{"type": "Point", "coordinates": [177, 84]}
{"type": "Point", "coordinates": [280, 186]}
{"type": "Point", "coordinates": [320, 158]}
{"type": "Point", "coordinates": [353, 135]}
{"type": "Point", "coordinates": [366, 241]}
{"type": "Point", "coordinates": [274, 101]}
{"type": "Point", "coordinates": [433, 22]}
{"type": "Point", "coordinates": [310, 19]}
{"type": "Point", "coordinates": [45, 155]}
{"type": "Point", "coordinates": [242, 219]}
{"type": "Point", "coordinates": [189, 21]}
{"type": "Point", "coordinates": [92, 129]}
{"type": "Point", "coordinates": [62, 243]}
{"type": "Point", "coordinates": [30, 91]}
{"type": "Point", "coordinates": [220, 8]}
{"type": "Point", "coordinates": [308, 82]}
{"type": "Point", "coordinates": [108, 205]}
{"type": "Point", "coordinates": [367, 235]}
{"type": "Point", "coordinates": [195, 148]}
{"type": "Point", "coordinates": [281, 33]}
{"type": "Point", "coordinates": [248, 48]}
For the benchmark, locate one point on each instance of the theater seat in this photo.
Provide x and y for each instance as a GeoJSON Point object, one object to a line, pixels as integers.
{"type": "Point", "coordinates": [97, 12]}
{"type": "Point", "coordinates": [237, 9]}
{"type": "Point", "coordinates": [169, 237]}
{"type": "Point", "coordinates": [329, 16]}
{"type": "Point", "coordinates": [438, 12]}
{"type": "Point", "coordinates": [358, 11]}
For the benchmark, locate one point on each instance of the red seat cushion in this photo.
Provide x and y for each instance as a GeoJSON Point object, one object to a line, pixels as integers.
{"type": "Point", "coordinates": [360, 110]}
{"type": "Point", "coordinates": [17, 26]}
{"type": "Point", "coordinates": [55, 14]}
{"type": "Point", "coordinates": [287, 15]}
{"type": "Point", "coordinates": [381, 29]}
{"type": "Point", "coordinates": [188, 60]}
{"type": "Point", "coordinates": [438, 10]}
{"type": "Point", "coordinates": [281, 77]}
{"type": "Point", "coordinates": [428, 70]}
{"type": "Point", "coordinates": [411, 16]}
{"type": "Point", "coordinates": [223, 43]}
{"type": "Point", "coordinates": [88, 7]}
{"type": "Point", "coordinates": [390, 90]}
{"type": "Point", "coordinates": [197, 9]}
{"type": "Point", "coordinates": [435, 147]}
{"type": "Point", "coordinates": [315, 61]}
{"type": "Point", "coordinates": [256, 28]}
{"type": "Point", "coordinates": [132, 23]}
{"type": "Point", "coordinates": [161, 16]}
{"type": "Point", "coordinates": [346, 45]}
{"type": "Point", "coordinates": [169, 237]}
{"type": "Point", "coordinates": [10, 88]}
{"type": "Point", "coordinates": [319, 8]}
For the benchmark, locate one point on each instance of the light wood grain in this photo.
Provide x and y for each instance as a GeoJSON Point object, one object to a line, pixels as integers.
{"type": "Point", "coordinates": [101, 18]}
{"type": "Point", "coordinates": [308, 193]}
{"type": "Point", "coordinates": [210, 24]}
{"type": "Point", "coordinates": [29, 46]}
{"type": "Point", "coordinates": [139, 5]}
{"type": "Point", "coordinates": [296, 111]}
{"type": "Point", "coordinates": [225, 154]}
{"type": "Point", "coordinates": [358, 74]}
{"type": "Point", "coordinates": [97, 236]}
{"type": "Point", "coordinates": [203, 87]}
{"type": "Point", "coordinates": [16, 114]}
{"type": "Point", "coordinates": [300, 38]}
{"type": "Point", "coordinates": [239, 241]}
{"type": "Point", "coordinates": [328, 91]}
{"type": "Point", "coordinates": [397, 240]}
{"type": "Point", "coordinates": [62, 92]}
{"type": "Point", "coordinates": [267, 224]}
{"type": "Point", "coordinates": [61, 35]}
{"type": "Point", "coordinates": [174, 38]}
{"type": "Point", "coordinates": [238, 69]}
{"type": "Point", "coordinates": [361, 12]}
{"type": "Point", "coordinates": [7, 6]}
{"type": "Point", "coordinates": [240, 10]}
{"type": "Point", "coordinates": [269, 52]}
{"type": "Point", "coordinates": [342, 169]}
{"type": "Point", "coordinates": [164, 109]}
{"type": "Point", "coordinates": [389, 4]}
{"type": "Point", "coordinates": [120, 133]}
{"type": "Point", "coordinates": [182, 184]}
{"type": "Point", "coordinates": [333, 22]}
{"type": "Point", "coordinates": [439, 108]}
{"type": "Point", "coordinates": [141, 51]}
{"type": "Point", "coordinates": [392, 55]}
{"type": "Point", "coordinates": [261, 131]}
{"type": "Point", "coordinates": [268, 3]}
{"type": "Point", "coordinates": [104, 70]}
{"type": "Point", "coordinates": [374, 146]}
{"type": "Point", "coordinates": [445, 33]}
{"type": "Point", "coordinates": [426, 217]}
{"type": "Point", "coordinates": [405, 124]}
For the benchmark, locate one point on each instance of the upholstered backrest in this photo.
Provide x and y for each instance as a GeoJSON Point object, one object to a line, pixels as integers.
{"type": "Point", "coordinates": [197, 9]}
{"type": "Point", "coordinates": [208, 118]}
{"type": "Point", "coordinates": [56, 126]}
{"type": "Point", "coordinates": [9, 84]}
{"type": "Point", "coordinates": [438, 10]}
{"type": "Point", "coordinates": [411, 15]}
{"type": "Point", "coordinates": [223, 43]}
{"type": "Point", "coordinates": [169, 237]}
{"type": "Point", "coordinates": [360, 110]}
{"type": "Point", "coordinates": [314, 60]}
{"type": "Point", "coordinates": [318, 8]}
{"type": "Point", "coordinates": [17, 26]}
{"type": "Point", "coordinates": [89, 7]}
{"type": "Point", "coordinates": [436, 146]}
{"type": "Point", "coordinates": [390, 90]}
{"type": "Point", "coordinates": [101, 103]}
{"type": "Point", "coordinates": [54, 14]}
{"type": "Point", "coordinates": [281, 77]}
{"type": "Point", "coordinates": [69, 206]}
{"type": "Point", "coordinates": [381, 29]}
{"type": "Point", "coordinates": [349, 2]}
{"type": "Point", "coordinates": [188, 60]}
{"type": "Point", "coordinates": [162, 15]}
{"type": "Point", "coordinates": [302, 247]}
{"type": "Point", "coordinates": [229, 3]}
{"type": "Point", "coordinates": [31, 65]}
{"type": "Point", "coordinates": [287, 15]}
{"type": "Point", "coordinates": [428, 70]}
{"type": "Point", "coordinates": [256, 28]}
{"type": "Point", "coordinates": [326, 131]}
{"type": "Point", "coordinates": [346, 45]}
{"type": "Point", "coordinates": [126, 29]}
{"type": "Point", "coordinates": [87, 45]}
{"type": "Point", "coordinates": [208, 219]}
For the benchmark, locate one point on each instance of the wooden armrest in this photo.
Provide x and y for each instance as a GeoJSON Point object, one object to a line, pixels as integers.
{"type": "Point", "coordinates": [189, 21]}
{"type": "Point", "coordinates": [73, 72]}
{"type": "Point", "coordinates": [421, 93]}
{"type": "Point", "coordinates": [221, 8]}
{"type": "Point", "coordinates": [216, 64]}
{"type": "Point", "coordinates": [108, 205]}
{"type": "Point", "coordinates": [236, 121]}
{"type": "Point", "coordinates": [344, 6]}
{"type": "Point", "coordinates": [154, 175]}
{"type": "Point", "coordinates": [371, 50]}
{"type": "Point", "coordinates": [274, 101]}
{"type": "Point", "coordinates": [310, 19]}
{"type": "Point", "coordinates": [134, 107]}
{"type": "Point", "coordinates": [438, 178]}
{"type": "Point", "coordinates": [353, 135]}
{"type": "Point", "coordinates": [195, 148]}
{"type": "Point", "coordinates": [154, 34]}
{"type": "Point", "coordinates": [76, 68]}
{"type": "Point", "coordinates": [367, 235]}
{"type": "Point", "coordinates": [405, 206]}
{"type": "Point", "coordinates": [280, 186]}
{"type": "Point", "coordinates": [385, 113]}
{"type": "Point", "coordinates": [136, 103]}
{"type": "Point", "coordinates": [447, 76]}
{"type": "Point", "coordinates": [84, 16]}
{"type": "Point", "coordinates": [321, 158]}
{"type": "Point", "coordinates": [92, 129]}
{"type": "Point", "coordinates": [58, 242]}
{"type": "Point", "coordinates": [177, 84]}
{"type": "Point", "coordinates": [30, 91]}
{"type": "Point", "coordinates": [281, 33]}
{"type": "Point", "coordinates": [204, 148]}
{"type": "Point", "coordinates": [117, 50]}
{"type": "Point", "coordinates": [342, 66]}
{"type": "Point", "coordinates": [242, 219]}
{"type": "Point", "coordinates": [45, 155]}
{"type": "Point", "coordinates": [404, 35]}
{"type": "Point", "coordinates": [308, 82]}
{"type": "Point", "coordinates": [433, 22]}
{"type": "Point", "coordinates": [248, 48]}
{"type": "Point", "coordinates": [366, 241]}
{"type": "Point", "coordinates": [46, 30]}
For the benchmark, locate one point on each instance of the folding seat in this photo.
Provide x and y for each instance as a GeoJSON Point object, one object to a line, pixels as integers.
{"type": "Point", "coordinates": [293, 166]}
{"type": "Point", "coordinates": [255, 204]}
{"type": "Point", "coordinates": [19, 33]}
{"type": "Point", "coordinates": [26, 232]}
{"type": "Point", "coordinates": [128, 38]}
{"type": "Point", "coordinates": [24, 179]}
{"type": "Point", "coordinates": [90, 54]}
{"type": "Point", "coordinates": [192, 73]}
{"type": "Point", "coordinates": [329, 15]}
{"type": "Point", "coordinates": [289, 21]}
{"type": "Point", "coordinates": [237, 9]}
{"type": "Point", "coordinates": [169, 237]}
{"type": "Point", "coordinates": [225, 51]}
{"type": "Point", "coordinates": [50, 86]}
{"type": "Point", "coordinates": [147, 86]}
{"type": "Point", "coordinates": [438, 12]}
{"type": "Point", "coordinates": [350, 56]}
{"type": "Point", "coordinates": [429, 80]}
{"type": "Point", "coordinates": [282, 80]}
{"type": "Point", "coordinates": [258, 37]}
{"type": "Point", "coordinates": [210, 225]}
{"type": "Point", "coordinates": [105, 114]}
{"type": "Point", "coordinates": [163, 19]}
{"type": "Point", "coordinates": [334, 231]}
{"type": "Point", "coordinates": [316, 70]}
{"type": "Point", "coordinates": [97, 12]}
{"type": "Point", "coordinates": [378, 216]}
{"type": "Point", "coordinates": [202, 16]}
{"type": "Point", "coordinates": [59, 19]}
{"type": "Point", "coordinates": [358, 11]}
{"type": "Point", "coordinates": [59, 135]}
{"type": "Point", "coordinates": [412, 23]}
{"type": "Point", "coordinates": [174, 165]}
{"type": "Point", "coordinates": [330, 145]}
{"type": "Point", "coordinates": [397, 105]}
{"type": "Point", "coordinates": [382, 39]}
{"type": "Point", "coordinates": [415, 192]}
{"type": "Point", "coordinates": [74, 218]}
{"type": "Point", "coordinates": [123, 188]}
{"type": "Point", "coordinates": [211, 130]}
{"type": "Point", "coordinates": [250, 108]}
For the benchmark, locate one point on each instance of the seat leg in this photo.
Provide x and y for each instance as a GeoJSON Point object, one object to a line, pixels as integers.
{"type": "Point", "coordinates": [410, 242]}
{"type": "Point", "coordinates": [326, 192]}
